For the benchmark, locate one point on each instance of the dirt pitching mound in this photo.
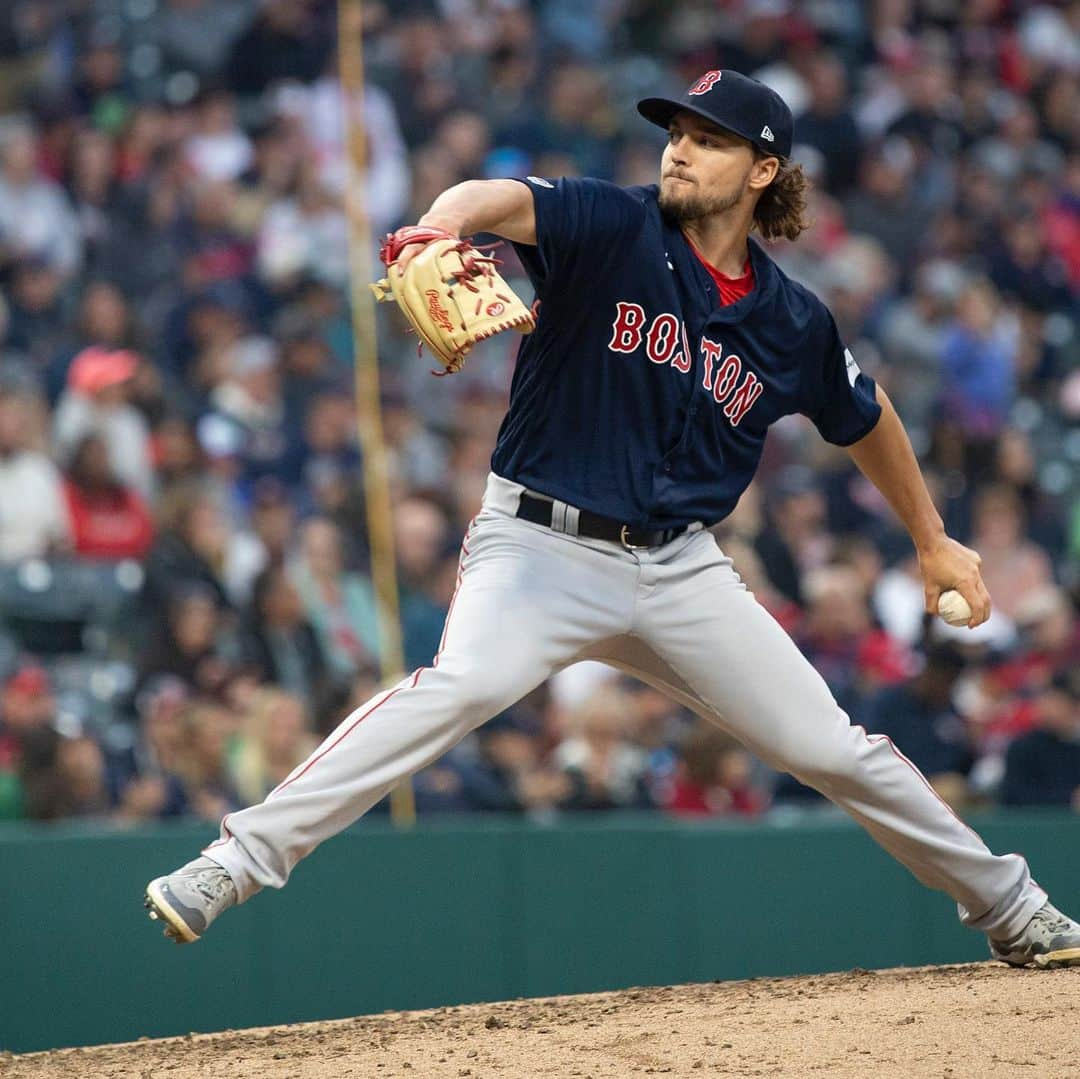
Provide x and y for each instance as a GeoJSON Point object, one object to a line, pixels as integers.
{"type": "Point", "coordinates": [979, 1021]}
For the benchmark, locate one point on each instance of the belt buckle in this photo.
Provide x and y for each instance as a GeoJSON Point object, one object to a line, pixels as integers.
{"type": "Point", "coordinates": [627, 544]}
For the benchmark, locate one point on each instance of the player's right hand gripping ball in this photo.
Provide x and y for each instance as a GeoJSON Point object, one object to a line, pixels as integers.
{"type": "Point", "coordinates": [953, 608]}
{"type": "Point", "coordinates": [450, 292]}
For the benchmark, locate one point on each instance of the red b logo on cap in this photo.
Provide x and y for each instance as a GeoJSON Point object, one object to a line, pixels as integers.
{"type": "Point", "coordinates": [705, 83]}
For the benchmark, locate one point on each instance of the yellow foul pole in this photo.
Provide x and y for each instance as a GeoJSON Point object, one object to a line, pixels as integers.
{"type": "Point", "coordinates": [369, 416]}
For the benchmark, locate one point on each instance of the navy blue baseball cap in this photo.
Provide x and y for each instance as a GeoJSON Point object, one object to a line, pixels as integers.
{"type": "Point", "coordinates": [735, 102]}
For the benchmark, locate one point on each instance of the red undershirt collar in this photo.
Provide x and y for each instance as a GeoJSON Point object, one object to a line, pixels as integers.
{"type": "Point", "coordinates": [730, 288]}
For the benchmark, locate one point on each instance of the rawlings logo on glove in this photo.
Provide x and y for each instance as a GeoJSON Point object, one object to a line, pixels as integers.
{"type": "Point", "coordinates": [450, 292]}
{"type": "Point", "coordinates": [437, 311]}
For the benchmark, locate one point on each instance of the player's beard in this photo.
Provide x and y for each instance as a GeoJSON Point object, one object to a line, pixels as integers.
{"type": "Point", "coordinates": [686, 202]}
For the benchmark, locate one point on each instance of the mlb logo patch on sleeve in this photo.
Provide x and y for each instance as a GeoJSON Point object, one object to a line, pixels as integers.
{"type": "Point", "coordinates": [539, 181]}
{"type": "Point", "coordinates": [853, 371]}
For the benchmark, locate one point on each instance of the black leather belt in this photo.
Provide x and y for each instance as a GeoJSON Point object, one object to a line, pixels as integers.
{"type": "Point", "coordinates": [591, 525]}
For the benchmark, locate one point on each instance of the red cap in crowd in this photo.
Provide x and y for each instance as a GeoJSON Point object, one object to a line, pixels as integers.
{"type": "Point", "coordinates": [29, 680]}
{"type": "Point", "coordinates": [96, 369]}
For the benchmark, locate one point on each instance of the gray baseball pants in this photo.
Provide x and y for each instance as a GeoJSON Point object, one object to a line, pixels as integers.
{"type": "Point", "coordinates": [530, 601]}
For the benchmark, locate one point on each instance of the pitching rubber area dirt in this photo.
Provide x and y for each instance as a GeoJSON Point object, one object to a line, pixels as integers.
{"type": "Point", "coordinates": [979, 1021]}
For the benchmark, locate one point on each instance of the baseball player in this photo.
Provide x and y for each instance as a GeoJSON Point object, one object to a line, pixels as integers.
{"type": "Point", "coordinates": [666, 343]}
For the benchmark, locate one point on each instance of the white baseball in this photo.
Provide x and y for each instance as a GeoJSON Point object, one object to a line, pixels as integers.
{"type": "Point", "coordinates": [953, 608]}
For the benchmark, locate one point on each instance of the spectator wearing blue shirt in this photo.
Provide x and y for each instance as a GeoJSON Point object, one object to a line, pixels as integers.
{"type": "Point", "coordinates": [977, 365]}
{"type": "Point", "coordinates": [508, 775]}
{"type": "Point", "coordinates": [142, 776]}
{"type": "Point", "coordinates": [1042, 768]}
{"type": "Point", "coordinates": [919, 717]}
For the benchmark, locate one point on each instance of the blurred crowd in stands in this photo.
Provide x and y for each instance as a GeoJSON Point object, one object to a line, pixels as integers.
{"type": "Point", "coordinates": [185, 605]}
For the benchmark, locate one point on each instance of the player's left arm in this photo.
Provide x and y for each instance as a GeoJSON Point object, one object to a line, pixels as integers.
{"type": "Point", "coordinates": [886, 458]}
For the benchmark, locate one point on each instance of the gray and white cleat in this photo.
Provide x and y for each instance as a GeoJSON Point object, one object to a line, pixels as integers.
{"type": "Point", "coordinates": [190, 898]}
{"type": "Point", "coordinates": [1049, 940]}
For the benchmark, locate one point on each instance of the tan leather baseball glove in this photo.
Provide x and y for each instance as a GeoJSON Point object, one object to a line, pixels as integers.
{"type": "Point", "coordinates": [450, 292]}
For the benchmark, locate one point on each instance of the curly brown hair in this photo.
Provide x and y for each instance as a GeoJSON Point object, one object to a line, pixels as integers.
{"type": "Point", "coordinates": [781, 210]}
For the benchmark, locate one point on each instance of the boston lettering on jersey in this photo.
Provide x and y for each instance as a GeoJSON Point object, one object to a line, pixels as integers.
{"type": "Point", "coordinates": [639, 395]}
{"type": "Point", "coordinates": [666, 342]}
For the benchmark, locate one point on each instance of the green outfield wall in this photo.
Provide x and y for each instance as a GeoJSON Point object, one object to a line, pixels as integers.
{"type": "Point", "coordinates": [467, 910]}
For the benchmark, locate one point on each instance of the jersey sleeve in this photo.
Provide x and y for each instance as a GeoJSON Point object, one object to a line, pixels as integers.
{"type": "Point", "coordinates": [838, 398]}
{"type": "Point", "coordinates": [582, 226]}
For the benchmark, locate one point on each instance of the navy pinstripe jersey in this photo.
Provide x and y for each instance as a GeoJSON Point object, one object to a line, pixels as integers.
{"type": "Point", "coordinates": [638, 396]}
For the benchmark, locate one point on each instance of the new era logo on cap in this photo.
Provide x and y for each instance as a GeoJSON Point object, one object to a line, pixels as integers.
{"type": "Point", "coordinates": [767, 134]}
